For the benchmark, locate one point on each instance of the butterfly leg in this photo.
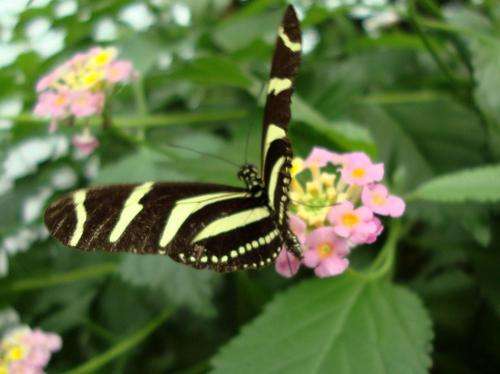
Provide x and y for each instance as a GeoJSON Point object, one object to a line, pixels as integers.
{"type": "Point", "coordinates": [293, 244]}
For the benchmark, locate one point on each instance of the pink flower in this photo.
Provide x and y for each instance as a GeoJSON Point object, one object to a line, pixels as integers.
{"type": "Point", "coordinates": [371, 238]}
{"type": "Point", "coordinates": [119, 71]}
{"type": "Point", "coordinates": [353, 224]}
{"type": "Point", "coordinates": [320, 157]}
{"type": "Point", "coordinates": [85, 142]}
{"type": "Point", "coordinates": [377, 198]}
{"type": "Point", "coordinates": [86, 103]}
{"type": "Point", "coordinates": [51, 104]}
{"type": "Point", "coordinates": [326, 252]}
{"type": "Point", "coordinates": [48, 341]}
{"type": "Point", "coordinates": [287, 265]}
{"type": "Point", "coordinates": [359, 170]}
{"type": "Point", "coordinates": [298, 227]}
{"type": "Point", "coordinates": [24, 368]}
{"type": "Point", "coordinates": [45, 82]}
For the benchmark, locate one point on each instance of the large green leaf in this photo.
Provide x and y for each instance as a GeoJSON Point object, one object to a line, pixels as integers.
{"type": "Point", "coordinates": [181, 286]}
{"type": "Point", "coordinates": [480, 184]}
{"type": "Point", "coordinates": [340, 325]}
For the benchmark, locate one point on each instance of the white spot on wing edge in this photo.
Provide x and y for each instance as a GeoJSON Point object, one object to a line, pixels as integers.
{"type": "Point", "coordinates": [131, 209]}
{"type": "Point", "coordinates": [81, 216]}
{"type": "Point", "coordinates": [278, 85]}
{"type": "Point", "coordinates": [293, 46]}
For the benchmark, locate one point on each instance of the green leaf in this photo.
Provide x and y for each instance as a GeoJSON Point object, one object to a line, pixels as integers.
{"type": "Point", "coordinates": [181, 286]}
{"type": "Point", "coordinates": [345, 136]}
{"type": "Point", "coordinates": [484, 44]}
{"type": "Point", "coordinates": [213, 70]}
{"type": "Point", "coordinates": [140, 166]}
{"type": "Point", "coordinates": [240, 31]}
{"type": "Point", "coordinates": [340, 325]}
{"type": "Point", "coordinates": [480, 184]}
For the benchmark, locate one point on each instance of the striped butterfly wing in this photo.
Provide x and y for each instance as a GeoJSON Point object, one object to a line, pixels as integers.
{"type": "Point", "coordinates": [200, 225]}
{"type": "Point", "coordinates": [276, 148]}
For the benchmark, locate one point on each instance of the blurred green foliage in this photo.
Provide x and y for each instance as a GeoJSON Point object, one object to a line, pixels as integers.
{"type": "Point", "coordinates": [413, 83]}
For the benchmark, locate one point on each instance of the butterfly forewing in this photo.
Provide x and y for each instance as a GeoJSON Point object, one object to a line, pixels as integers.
{"type": "Point", "coordinates": [276, 149]}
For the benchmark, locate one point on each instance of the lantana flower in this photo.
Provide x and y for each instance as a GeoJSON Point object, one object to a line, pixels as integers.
{"type": "Point", "coordinates": [23, 350]}
{"type": "Point", "coordinates": [359, 170]}
{"type": "Point", "coordinates": [335, 200]}
{"type": "Point", "coordinates": [80, 87]}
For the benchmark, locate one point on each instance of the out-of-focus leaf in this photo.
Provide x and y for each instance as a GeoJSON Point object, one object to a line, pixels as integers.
{"type": "Point", "coordinates": [238, 32]}
{"type": "Point", "coordinates": [480, 184]}
{"type": "Point", "coordinates": [486, 262]}
{"type": "Point", "coordinates": [484, 43]}
{"type": "Point", "coordinates": [345, 136]}
{"type": "Point", "coordinates": [213, 71]}
{"type": "Point", "coordinates": [143, 165]}
{"type": "Point", "coordinates": [394, 144]}
{"type": "Point", "coordinates": [142, 50]}
{"type": "Point", "coordinates": [180, 285]}
{"type": "Point", "coordinates": [341, 325]}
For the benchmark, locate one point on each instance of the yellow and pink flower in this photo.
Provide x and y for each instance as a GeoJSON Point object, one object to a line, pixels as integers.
{"type": "Point", "coordinates": [335, 200]}
{"type": "Point", "coordinates": [80, 87]}
{"type": "Point", "coordinates": [27, 351]}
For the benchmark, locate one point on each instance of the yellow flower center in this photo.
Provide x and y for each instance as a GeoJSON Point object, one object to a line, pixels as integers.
{"type": "Point", "coordinates": [15, 353]}
{"type": "Point", "coordinates": [358, 173]}
{"type": "Point", "coordinates": [324, 250]}
{"type": "Point", "coordinates": [92, 78]}
{"type": "Point", "coordinates": [103, 57]}
{"type": "Point", "coordinates": [378, 199]}
{"type": "Point", "coordinates": [350, 219]}
{"type": "Point", "coordinates": [60, 100]}
{"type": "Point", "coordinates": [313, 188]}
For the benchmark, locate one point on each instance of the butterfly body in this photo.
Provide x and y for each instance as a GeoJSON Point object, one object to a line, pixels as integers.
{"type": "Point", "coordinates": [202, 225]}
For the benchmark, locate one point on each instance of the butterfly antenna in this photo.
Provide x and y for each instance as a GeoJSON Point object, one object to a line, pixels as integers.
{"type": "Point", "coordinates": [185, 148]}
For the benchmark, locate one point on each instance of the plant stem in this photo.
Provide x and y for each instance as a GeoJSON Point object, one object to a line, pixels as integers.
{"type": "Point", "coordinates": [148, 120]}
{"type": "Point", "coordinates": [123, 346]}
{"type": "Point", "coordinates": [384, 263]}
{"type": "Point", "coordinates": [140, 95]}
{"type": "Point", "coordinates": [50, 280]}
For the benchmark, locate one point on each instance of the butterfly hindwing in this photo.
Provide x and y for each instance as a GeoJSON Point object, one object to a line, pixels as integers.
{"type": "Point", "coordinates": [202, 225]}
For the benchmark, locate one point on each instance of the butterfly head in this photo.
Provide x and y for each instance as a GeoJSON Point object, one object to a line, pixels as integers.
{"type": "Point", "coordinates": [250, 175]}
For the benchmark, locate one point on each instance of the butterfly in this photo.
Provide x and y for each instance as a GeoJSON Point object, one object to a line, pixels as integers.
{"type": "Point", "coordinates": [201, 225]}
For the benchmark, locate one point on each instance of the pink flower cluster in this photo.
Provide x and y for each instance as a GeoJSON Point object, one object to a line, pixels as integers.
{"type": "Point", "coordinates": [26, 351]}
{"type": "Point", "coordinates": [336, 211]}
{"type": "Point", "coordinates": [79, 87]}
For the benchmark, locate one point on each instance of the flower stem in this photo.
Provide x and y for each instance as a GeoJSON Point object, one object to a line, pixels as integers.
{"type": "Point", "coordinates": [384, 263]}
{"type": "Point", "coordinates": [50, 280]}
{"type": "Point", "coordinates": [146, 121]}
{"type": "Point", "coordinates": [123, 346]}
{"type": "Point", "coordinates": [140, 95]}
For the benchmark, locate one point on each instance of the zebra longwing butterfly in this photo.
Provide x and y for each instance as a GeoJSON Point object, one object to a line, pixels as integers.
{"type": "Point", "coordinates": [201, 225]}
